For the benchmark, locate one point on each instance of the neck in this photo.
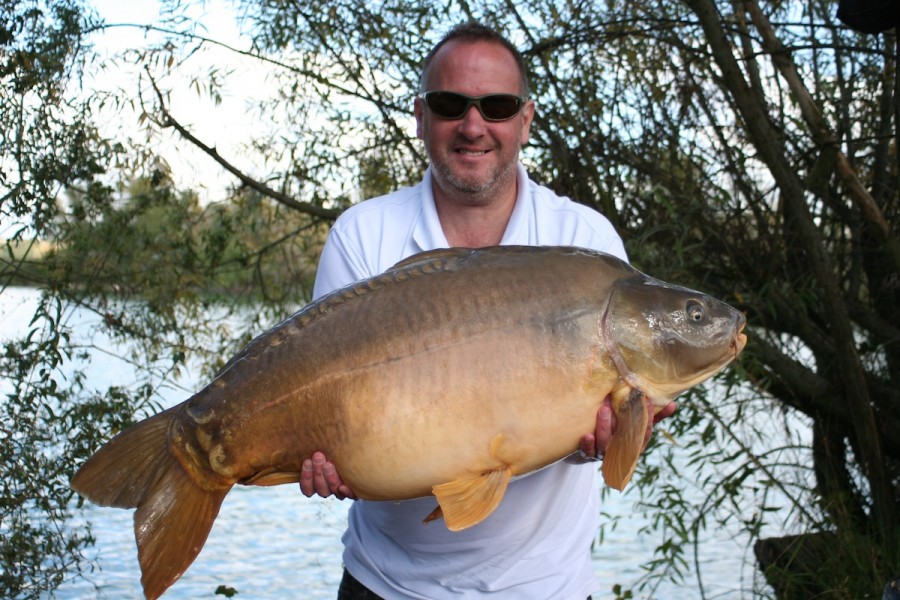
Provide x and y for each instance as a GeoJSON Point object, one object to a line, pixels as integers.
{"type": "Point", "coordinates": [474, 224]}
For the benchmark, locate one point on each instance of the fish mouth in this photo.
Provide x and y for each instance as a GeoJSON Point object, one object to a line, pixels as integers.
{"type": "Point", "coordinates": [739, 341]}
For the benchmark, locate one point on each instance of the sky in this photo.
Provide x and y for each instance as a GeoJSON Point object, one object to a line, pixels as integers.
{"type": "Point", "coordinates": [224, 126]}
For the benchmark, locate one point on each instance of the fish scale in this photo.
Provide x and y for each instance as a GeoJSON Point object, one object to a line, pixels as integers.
{"type": "Point", "coordinates": [448, 375]}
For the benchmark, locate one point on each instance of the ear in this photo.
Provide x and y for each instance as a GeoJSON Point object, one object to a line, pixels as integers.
{"type": "Point", "coordinates": [419, 112]}
{"type": "Point", "coordinates": [527, 118]}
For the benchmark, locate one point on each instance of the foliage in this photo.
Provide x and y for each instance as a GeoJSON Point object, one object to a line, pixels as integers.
{"type": "Point", "coordinates": [748, 149]}
{"type": "Point", "coordinates": [42, 148]}
{"type": "Point", "coordinates": [133, 264]}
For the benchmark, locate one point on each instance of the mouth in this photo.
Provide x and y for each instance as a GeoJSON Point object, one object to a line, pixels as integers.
{"type": "Point", "coordinates": [471, 152]}
{"type": "Point", "coordinates": [740, 340]}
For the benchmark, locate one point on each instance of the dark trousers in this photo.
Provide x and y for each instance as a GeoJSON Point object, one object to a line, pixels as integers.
{"type": "Point", "coordinates": [351, 589]}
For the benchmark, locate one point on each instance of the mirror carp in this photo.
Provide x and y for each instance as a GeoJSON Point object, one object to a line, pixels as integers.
{"type": "Point", "coordinates": [448, 375]}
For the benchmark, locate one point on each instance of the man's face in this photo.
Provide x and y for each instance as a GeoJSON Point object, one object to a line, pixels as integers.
{"type": "Point", "coordinates": [472, 158]}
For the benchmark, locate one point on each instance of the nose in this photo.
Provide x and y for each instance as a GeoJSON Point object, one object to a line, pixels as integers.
{"type": "Point", "coordinates": [472, 125]}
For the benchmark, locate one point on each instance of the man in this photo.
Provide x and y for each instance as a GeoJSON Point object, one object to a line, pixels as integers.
{"type": "Point", "coordinates": [473, 114]}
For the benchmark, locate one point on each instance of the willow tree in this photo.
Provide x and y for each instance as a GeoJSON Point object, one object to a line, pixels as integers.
{"type": "Point", "coordinates": [745, 148]}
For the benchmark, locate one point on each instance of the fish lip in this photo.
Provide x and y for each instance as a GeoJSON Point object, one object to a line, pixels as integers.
{"type": "Point", "coordinates": [740, 339]}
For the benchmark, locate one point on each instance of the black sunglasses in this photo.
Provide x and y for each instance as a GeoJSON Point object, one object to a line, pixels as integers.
{"type": "Point", "coordinates": [493, 107]}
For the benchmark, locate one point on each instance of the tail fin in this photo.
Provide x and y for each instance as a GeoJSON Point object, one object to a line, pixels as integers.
{"type": "Point", "coordinates": [627, 442]}
{"type": "Point", "coordinates": [175, 513]}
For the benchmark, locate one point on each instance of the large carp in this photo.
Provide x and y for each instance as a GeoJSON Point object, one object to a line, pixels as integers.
{"type": "Point", "coordinates": [447, 375]}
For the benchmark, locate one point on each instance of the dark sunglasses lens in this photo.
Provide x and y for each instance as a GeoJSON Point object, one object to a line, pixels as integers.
{"type": "Point", "coordinates": [446, 104]}
{"type": "Point", "coordinates": [499, 106]}
{"type": "Point", "coordinates": [496, 107]}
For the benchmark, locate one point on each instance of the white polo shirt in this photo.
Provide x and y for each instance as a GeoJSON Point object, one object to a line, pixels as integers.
{"type": "Point", "coordinates": [536, 545]}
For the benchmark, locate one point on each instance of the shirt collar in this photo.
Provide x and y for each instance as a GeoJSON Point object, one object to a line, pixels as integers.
{"type": "Point", "coordinates": [517, 227]}
{"type": "Point", "coordinates": [428, 235]}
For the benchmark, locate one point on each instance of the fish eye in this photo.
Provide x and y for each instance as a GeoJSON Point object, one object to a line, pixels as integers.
{"type": "Point", "coordinates": [695, 311]}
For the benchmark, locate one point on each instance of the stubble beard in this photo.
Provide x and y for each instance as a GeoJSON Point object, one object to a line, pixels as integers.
{"type": "Point", "coordinates": [476, 191]}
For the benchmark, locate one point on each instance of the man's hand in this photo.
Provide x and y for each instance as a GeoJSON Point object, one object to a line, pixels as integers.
{"type": "Point", "coordinates": [594, 444]}
{"type": "Point", "coordinates": [318, 476]}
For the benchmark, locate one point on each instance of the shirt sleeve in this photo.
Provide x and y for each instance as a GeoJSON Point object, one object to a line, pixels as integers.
{"type": "Point", "coordinates": [614, 246]}
{"type": "Point", "coordinates": [339, 265]}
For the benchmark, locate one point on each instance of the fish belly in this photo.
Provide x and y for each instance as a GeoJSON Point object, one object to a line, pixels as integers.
{"type": "Point", "coordinates": [460, 412]}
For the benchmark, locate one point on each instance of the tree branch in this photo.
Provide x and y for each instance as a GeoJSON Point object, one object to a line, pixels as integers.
{"type": "Point", "coordinates": [304, 207]}
{"type": "Point", "coordinates": [850, 373]}
{"type": "Point", "coordinates": [822, 134]}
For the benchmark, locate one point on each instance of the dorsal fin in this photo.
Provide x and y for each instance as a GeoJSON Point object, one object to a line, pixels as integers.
{"type": "Point", "coordinates": [416, 265]}
{"type": "Point", "coordinates": [423, 263]}
{"type": "Point", "coordinates": [437, 258]}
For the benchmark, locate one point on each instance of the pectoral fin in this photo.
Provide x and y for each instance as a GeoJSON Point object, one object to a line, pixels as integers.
{"type": "Point", "coordinates": [627, 441]}
{"type": "Point", "coordinates": [467, 502]}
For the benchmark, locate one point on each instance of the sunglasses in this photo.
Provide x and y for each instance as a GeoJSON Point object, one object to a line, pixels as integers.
{"type": "Point", "coordinates": [493, 107]}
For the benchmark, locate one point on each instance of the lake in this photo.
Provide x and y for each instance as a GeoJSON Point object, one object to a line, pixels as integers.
{"type": "Point", "coordinates": [275, 543]}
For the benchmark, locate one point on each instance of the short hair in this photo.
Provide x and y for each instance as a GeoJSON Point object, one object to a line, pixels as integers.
{"type": "Point", "coordinates": [472, 31]}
